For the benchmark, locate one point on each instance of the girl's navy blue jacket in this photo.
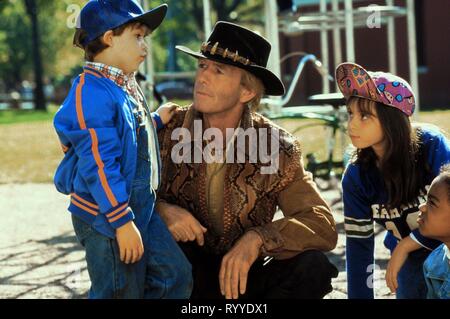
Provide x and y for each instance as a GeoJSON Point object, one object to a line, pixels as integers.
{"type": "Point", "coordinates": [364, 202]}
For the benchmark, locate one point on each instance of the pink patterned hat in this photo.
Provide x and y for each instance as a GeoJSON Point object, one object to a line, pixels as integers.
{"type": "Point", "coordinates": [386, 88]}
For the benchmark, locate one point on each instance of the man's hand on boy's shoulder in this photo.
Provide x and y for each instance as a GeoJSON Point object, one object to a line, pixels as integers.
{"type": "Point", "coordinates": [166, 112]}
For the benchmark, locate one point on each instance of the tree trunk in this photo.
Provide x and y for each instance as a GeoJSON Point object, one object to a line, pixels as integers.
{"type": "Point", "coordinates": [39, 97]}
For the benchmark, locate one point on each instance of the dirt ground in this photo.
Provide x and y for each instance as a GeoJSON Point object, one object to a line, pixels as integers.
{"type": "Point", "coordinates": [40, 257]}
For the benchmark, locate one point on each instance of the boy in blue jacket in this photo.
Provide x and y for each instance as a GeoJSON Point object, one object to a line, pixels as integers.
{"type": "Point", "coordinates": [434, 222]}
{"type": "Point", "coordinates": [111, 167]}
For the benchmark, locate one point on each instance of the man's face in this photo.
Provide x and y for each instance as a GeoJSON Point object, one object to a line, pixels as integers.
{"type": "Point", "coordinates": [130, 49]}
{"type": "Point", "coordinates": [434, 217]}
{"type": "Point", "coordinates": [217, 87]}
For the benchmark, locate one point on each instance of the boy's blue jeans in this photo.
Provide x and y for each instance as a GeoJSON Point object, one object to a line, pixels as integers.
{"type": "Point", "coordinates": [162, 272]}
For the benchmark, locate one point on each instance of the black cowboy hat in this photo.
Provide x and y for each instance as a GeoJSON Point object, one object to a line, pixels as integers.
{"type": "Point", "coordinates": [232, 44]}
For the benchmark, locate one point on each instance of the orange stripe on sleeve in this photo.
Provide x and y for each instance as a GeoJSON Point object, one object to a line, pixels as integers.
{"type": "Point", "coordinates": [101, 172]}
{"type": "Point", "coordinates": [84, 201]}
{"type": "Point", "coordinates": [117, 210]}
{"type": "Point", "coordinates": [95, 152]}
{"type": "Point", "coordinates": [90, 211]}
{"type": "Point", "coordinates": [79, 105]}
{"type": "Point", "coordinates": [112, 220]}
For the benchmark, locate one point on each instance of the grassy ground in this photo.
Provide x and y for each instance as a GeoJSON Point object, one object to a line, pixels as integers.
{"type": "Point", "coordinates": [27, 116]}
{"type": "Point", "coordinates": [30, 151]}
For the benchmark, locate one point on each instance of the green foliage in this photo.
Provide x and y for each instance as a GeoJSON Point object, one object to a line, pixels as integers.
{"type": "Point", "coordinates": [14, 49]}
{"type": "Point", "coordinates": [185, 21]}
{"type": "Point", "coordinates": [61, 61]}
{"type": "Point", "coordinates": [15, 38]}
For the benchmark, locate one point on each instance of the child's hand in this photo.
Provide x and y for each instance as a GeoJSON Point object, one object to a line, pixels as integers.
{"type": "Point", "coordinates": [398, 258]}
{"type": "Point", "coordinates": [130, 243]}
{"type": "Point", "coordinates": [166, 112]}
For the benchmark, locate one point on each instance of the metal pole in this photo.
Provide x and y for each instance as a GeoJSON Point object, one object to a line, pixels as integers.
{"type": "Point", "coordinates": [270, 8]}
{"type": "Point", "coordinates": [272, 35]}
{"type": "Point", "coordinates": [412, 46]}
{"type": "Point", "coordinates": [337, 49]}
{"type": "Point", "coordinates": [349, 34]}
{"type": "Point", "coordinates": [392, 52]}
{"type": "Point", "coordinates": [148, 68]}
{"type": "Point", "coordinates": [324, 49]}
{"type": "Point", "coordinates": [282, 102]}
{"type": "Point", "coordinates": [207, 18]}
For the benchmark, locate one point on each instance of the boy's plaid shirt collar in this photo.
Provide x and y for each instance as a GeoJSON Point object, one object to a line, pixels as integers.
{"type": "Point", "coordinates": [128, 83]}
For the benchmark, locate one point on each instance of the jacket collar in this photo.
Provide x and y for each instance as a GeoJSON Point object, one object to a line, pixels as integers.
{"type": "Point", "coordinates": [192, 114]}
{"type": "Point", "coordinates": [127, 82]}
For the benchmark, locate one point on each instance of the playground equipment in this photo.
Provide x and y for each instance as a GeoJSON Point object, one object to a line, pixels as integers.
{"type": "Point", "coordinates": [349, 18]}
{"type": "Point", "coordinates": [330, 110]}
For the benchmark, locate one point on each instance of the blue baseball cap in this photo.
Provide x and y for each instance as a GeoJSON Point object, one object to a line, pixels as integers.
{"type": "Point", "coordinates": [99, 16]}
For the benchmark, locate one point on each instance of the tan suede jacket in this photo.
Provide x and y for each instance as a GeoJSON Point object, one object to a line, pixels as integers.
{"type": "Point", "coordinates": [251, 198]}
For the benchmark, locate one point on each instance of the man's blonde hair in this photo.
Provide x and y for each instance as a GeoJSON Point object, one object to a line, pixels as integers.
{"type": "Point", "coordinates": [254, 84]}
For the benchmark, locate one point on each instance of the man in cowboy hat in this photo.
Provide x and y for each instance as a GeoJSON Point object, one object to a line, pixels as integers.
{"type": "Point", "coordinates": [221, 212]}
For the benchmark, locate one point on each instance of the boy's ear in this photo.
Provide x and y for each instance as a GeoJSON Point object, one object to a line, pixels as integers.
{"type": "Point", "coordinates": [108, 38]}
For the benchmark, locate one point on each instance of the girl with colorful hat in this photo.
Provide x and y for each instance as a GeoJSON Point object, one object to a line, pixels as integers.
{"type": "Point", "coordinates": [393, 164]}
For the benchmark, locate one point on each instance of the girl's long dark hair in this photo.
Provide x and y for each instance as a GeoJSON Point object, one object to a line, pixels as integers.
{"type": "Point", "coordinates": [403, 166]}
